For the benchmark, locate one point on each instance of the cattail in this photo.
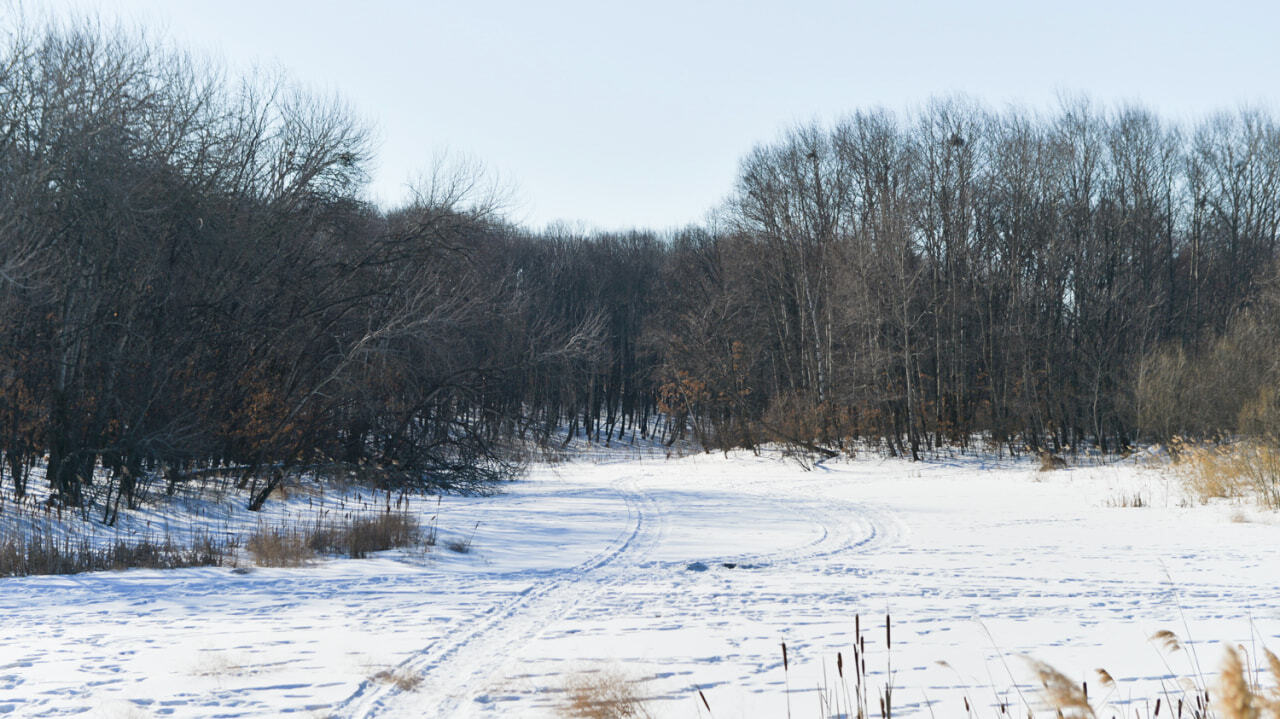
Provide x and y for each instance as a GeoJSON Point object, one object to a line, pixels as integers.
{"type": "Point", "coordinates": [786, 678]}
{"type": "Point", "coordinates": [840, 665]}
{"type": "Point", "coordinates": [705, 703]}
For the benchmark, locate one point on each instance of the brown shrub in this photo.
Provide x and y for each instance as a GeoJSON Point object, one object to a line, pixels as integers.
{"type": "Point", "coordinates": [1050, 461]}
{"type": "Point", "coordinates": [358, 536]}
{"type": "Point", "coordinates": [279, 548]}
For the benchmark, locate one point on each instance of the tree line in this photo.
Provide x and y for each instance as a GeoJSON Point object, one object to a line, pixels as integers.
{"type": "Point", "coordinates": [191, 283]}
{"type": "Point", "coordinates": [964, 272]}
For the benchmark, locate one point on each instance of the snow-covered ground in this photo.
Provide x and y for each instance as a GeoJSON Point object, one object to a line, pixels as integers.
{"type": "Point", "coordinates": [682, 574]}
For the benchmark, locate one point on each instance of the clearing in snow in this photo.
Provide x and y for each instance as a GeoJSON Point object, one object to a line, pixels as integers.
{"type": "Point", "coordinates": [681, 575]}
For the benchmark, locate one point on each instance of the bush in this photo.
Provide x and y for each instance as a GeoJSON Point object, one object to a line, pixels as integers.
{"type": "Point", "coordinates": [353, 536]}
{"type": "Point", "coordinates": [279, 548]}
{"type": "Point", "coordinates": [357, 537]}
{"type": "Point", "coordinates": [1225, 386]}
{"type": "Point", "coordinates": [803, 426]}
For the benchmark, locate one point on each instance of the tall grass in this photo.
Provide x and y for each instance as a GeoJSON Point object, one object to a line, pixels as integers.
{"type": "Point", "coordinates": [1246, 468]}
{"type": "Point", "coordinates": [32, 546]}
{"type": "Point", "coordinates": [38, 550]}
{"type": "Point", "coordinates": [42, 536]}
{"type": "Point", "coordinates": [353, 535]}
{"type": "Point", "coordinates": [849, 695]}
{"type": "Point", "coordinates": [1243, 689]}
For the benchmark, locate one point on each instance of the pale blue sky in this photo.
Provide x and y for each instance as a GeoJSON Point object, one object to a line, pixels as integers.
{"type": "Point", "coordinates": [621, 114]}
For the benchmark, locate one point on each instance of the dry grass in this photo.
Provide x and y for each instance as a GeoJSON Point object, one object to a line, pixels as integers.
{"type": "Point", "coordinates": [1230, 471]}
{"type": "Point", "coordinates": [1062, 694]}
{"type": "Point", "coordinates": [1243, 697]}
{"type": "Point", "coordinates": [219, 664]}
{"type": "Point", "coordinates": [39, 551]}
{"type": "Point", "coordinates": [355, 536]}
{"type": "Point", "coordinates": [1129, 500]}
{"type": "Point", "coordinates": [1050, 462]}
{"type": "Point", "coordinates": [461, 546]}
{"type": "Point", "coordinates": [1167, 641]}
{"type": "Point", "coordinates": [1244, 689]}
{"type": "Point", "coordinates": [605, 694]}
{"type": "Point", "coordinates": [279, 547]}
{"type": "Point", "coordinates": [401, 678]}
{"type": "Point", "coordinates": [359, 536]}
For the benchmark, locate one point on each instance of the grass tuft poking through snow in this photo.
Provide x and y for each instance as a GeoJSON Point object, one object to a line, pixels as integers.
{"type": "Point", "coordinates": [403, 679]}
{"type": "Point", "coordinates": [604, 694]}
{"type": "Point", "coordinates": [461, 546]}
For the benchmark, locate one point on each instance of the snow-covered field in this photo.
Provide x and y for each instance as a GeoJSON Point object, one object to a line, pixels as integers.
{"type": "Point", "coordinates": [680, 574]}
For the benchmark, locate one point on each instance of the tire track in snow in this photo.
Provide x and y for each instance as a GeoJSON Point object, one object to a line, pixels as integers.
{"type": "Point", "coordinates": [845, 526]}
{"type": "Point", "coordinates": [466, 656]}
{"type": "Point", "coordinates": [463, 661]}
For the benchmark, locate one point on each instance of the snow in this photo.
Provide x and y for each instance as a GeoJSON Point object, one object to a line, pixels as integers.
{"type": "Point", "coordinates": [681, 574]}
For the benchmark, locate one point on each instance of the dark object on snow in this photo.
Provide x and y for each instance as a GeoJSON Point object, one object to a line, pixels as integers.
{"type": "Point", "coordinates": [696, 567]}
{"type": "Point", "coordinates": [1050, 461]}
{"type": "Point", "coordinates": [729, 565]}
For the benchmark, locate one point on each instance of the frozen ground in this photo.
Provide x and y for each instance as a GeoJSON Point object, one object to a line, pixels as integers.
{"type": "Point", "coordinates": [624, 565]}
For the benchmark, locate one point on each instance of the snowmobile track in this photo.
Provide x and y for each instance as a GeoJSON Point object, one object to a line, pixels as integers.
{"type": "Point", "coordinates": [464, 657]}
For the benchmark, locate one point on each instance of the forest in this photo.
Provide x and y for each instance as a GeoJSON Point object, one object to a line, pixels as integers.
{"type": "Point", "coordinates": [191, 282]}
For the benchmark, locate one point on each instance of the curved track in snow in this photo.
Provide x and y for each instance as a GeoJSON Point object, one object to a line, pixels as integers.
{"type": "Point", "coordinates": [457, 667]}
{"type": "Point", "coordinates": [678, 576]}
{"type": "Point", "coordinates": [463, 659]}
